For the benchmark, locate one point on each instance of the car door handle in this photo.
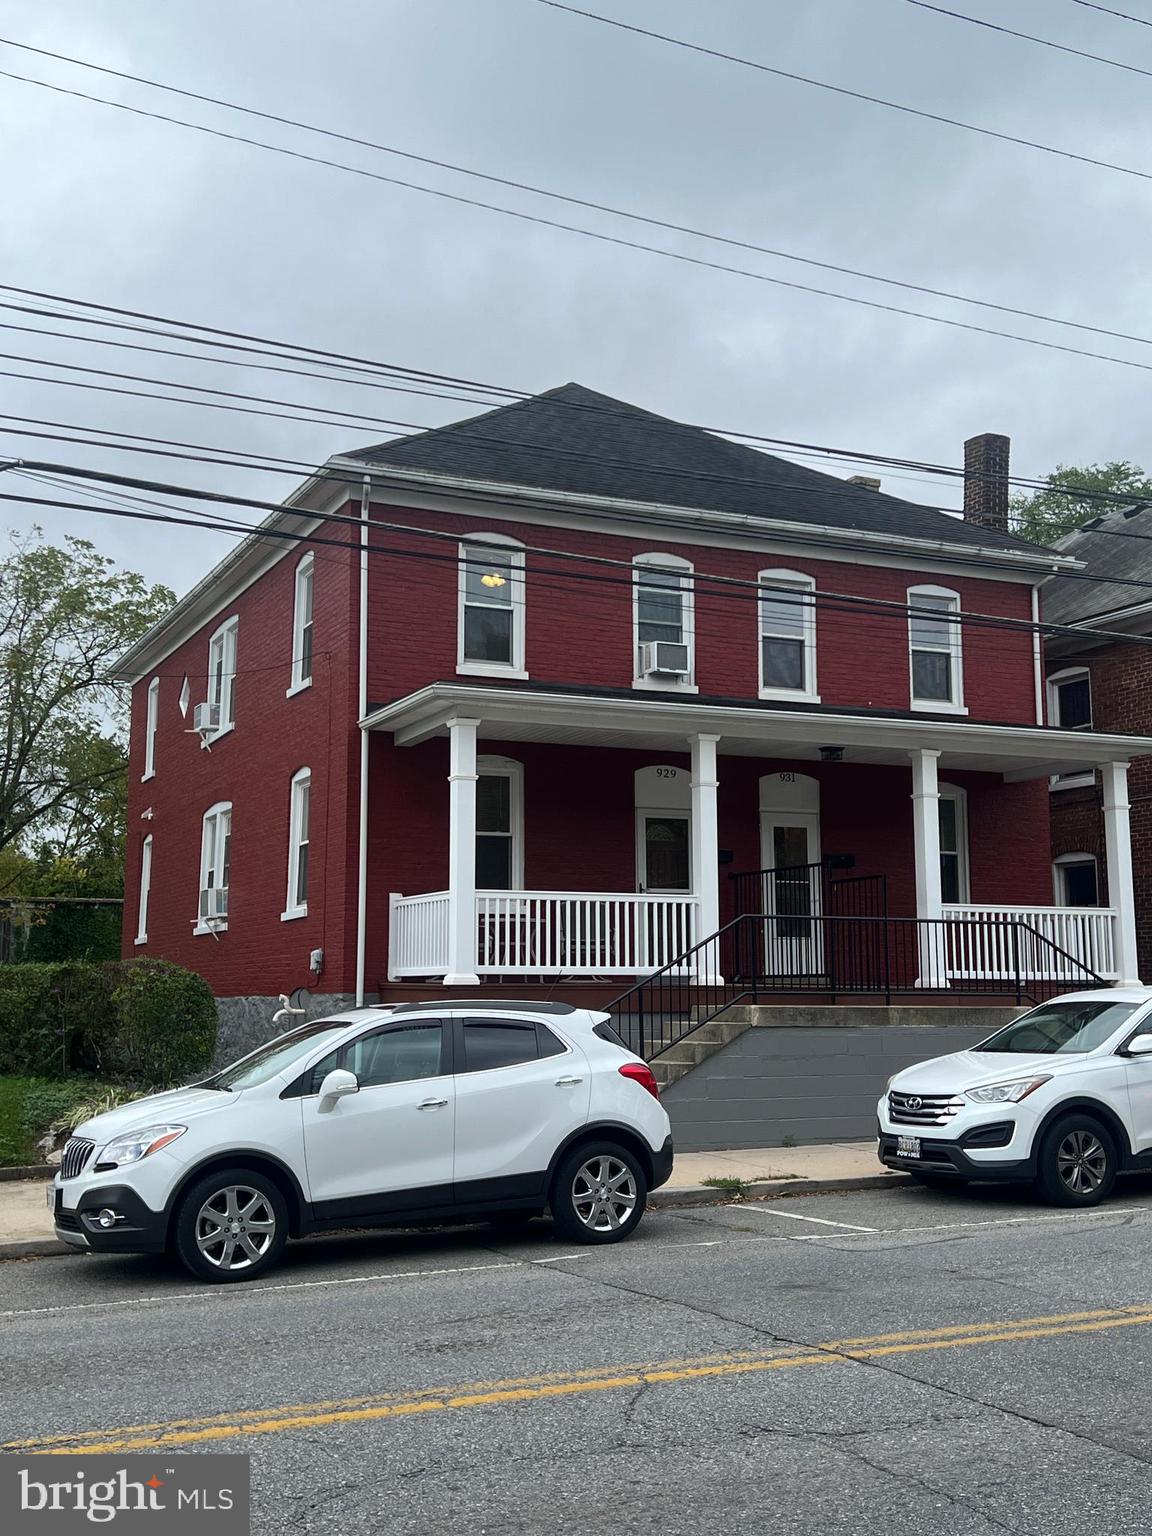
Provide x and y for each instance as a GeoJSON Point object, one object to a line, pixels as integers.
{"type": "Point", "coordinates": [432, 1104]}
{"type": "Point", "coordinates": [568, 1082]}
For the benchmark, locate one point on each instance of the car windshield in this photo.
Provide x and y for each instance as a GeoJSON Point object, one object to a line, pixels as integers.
{"type": "Point", "coordinates": [1062, 1028]}
{"type": "Point", "coordinates": [275, 1057]}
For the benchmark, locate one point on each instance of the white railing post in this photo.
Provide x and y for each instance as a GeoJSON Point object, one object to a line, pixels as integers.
{"type": "Point", "coordinates": [705, 855]}
{"type": "Point", "coordinates": [1118, 852]}
{"type": "Point", "coordinates": [926, 836]}
{"type": "Point", "coordinates": [462, 923]}
{"type": "Point", "coordinates": [394, 960]}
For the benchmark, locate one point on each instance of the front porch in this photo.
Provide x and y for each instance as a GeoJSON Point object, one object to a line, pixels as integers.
{"type": "Point", "coordinates": [944, 821]}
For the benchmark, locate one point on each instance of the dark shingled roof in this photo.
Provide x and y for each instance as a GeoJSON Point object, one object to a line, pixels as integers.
{"type": "Point", "coordinates": [1067, 600]}
{"type": "Point", "coordinates": [577, 441]}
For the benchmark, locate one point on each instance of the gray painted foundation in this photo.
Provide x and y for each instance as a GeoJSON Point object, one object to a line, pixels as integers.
{"type": "Point", "coordinates": [808, 1080]}
{"type": "Point", "coordinates": [246, 1022]}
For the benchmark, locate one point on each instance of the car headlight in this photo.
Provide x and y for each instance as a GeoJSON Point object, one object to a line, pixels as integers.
{"type": "Point", "coordinates": [1007, 1093]}
{"type": "Point", "coordinates": [134, 1145]}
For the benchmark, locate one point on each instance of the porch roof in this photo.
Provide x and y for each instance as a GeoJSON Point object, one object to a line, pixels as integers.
{"type": "Point", "coordinates": [664, 722]}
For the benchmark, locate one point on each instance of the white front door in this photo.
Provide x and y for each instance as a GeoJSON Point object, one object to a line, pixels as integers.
{"type": "Point", "coordinates": [389, 1146]}
{"type": "Point", "coordinates": [789, 847]}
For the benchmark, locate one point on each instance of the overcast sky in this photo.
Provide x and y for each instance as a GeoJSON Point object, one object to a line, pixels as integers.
{"type": "Point", "coordinates": [109, 207]}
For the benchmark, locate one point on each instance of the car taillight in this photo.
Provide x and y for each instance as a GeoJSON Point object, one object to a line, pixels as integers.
{"type": "Point", "coordinates": [639, 1073]}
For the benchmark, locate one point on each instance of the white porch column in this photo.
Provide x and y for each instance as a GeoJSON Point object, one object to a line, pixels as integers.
{"type": "Point", "coordinates": [1118, 851]}
{"type": "Point", "coordinates": [706, 851]}
{"type": "Point", "coordinates": [926, 833]}
{"type": "Point", "coordinates": [462, 928]}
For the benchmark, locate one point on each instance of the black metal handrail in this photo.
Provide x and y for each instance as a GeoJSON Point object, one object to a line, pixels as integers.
{"type": "Point", "coordinates": [763, 954]}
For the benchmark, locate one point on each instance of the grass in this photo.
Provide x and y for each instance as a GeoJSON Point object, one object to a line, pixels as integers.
{"type": "Point", "coordinates": [737, 1188]}
{"type": "Point", "coordinates": [30, 1106]}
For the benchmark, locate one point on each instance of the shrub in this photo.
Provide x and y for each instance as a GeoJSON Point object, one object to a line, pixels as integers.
{"type": "Point", "coordinates": [52, 1018]}
{"type": "Point", "coordinates": [164, 1023]}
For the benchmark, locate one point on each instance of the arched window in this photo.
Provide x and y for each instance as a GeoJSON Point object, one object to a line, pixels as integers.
{"type": "Point", "coordinates": [145, 890]}
{"type": "Point", "coordinates": [151, 718]}
{"type": "Point", "coordinates": [490, 626]}
{"type": "Point", "coordinates": [215, 863]}
{"type": "Point", "coordinates": [499, 824]}
{"type": "Point", "coordinates": [787, 635]}
{"type": "Point", "coordinates": [663, 623]}
{"type": "Point", "coordinates": [302, 625]}
{"type": "Point", "coordinates": [299, 798]}
{"type": "Point", "coordinates": [936, 662]}
{"type": "Point", "coordinates": [954, 882]}
{"type": "Point", "coordinates": [1076, 880]}
{"type": "Point", "coordinates": [222, 675]}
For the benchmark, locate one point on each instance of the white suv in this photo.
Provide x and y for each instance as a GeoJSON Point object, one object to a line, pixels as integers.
{"type": "Point", "coordinates": [1062, 1096]}
{"type": "Point", "coordinates": [429, 1112]}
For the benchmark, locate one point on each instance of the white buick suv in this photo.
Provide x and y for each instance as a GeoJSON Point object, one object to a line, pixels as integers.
{"type": "Point", "coordinates": [1061, 1097]}
{"type": "Point", "coordinates": [429, 1112]}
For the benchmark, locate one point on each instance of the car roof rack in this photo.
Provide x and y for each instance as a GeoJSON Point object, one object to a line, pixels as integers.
{"type": "Point", "coordinates": [523, 1005]}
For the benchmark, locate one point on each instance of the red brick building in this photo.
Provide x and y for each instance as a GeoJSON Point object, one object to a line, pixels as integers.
{"type": "Point", "coordinates": [524, 691]}
{"type": "Point", "coordinates": [1096, 684]}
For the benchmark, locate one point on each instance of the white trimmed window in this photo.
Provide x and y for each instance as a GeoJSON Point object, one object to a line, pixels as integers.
{"type": "Point", "coordinates": [936, 661]}
{"type": "Point", "coordinates": [145, 890]}
{"type": "Point", "coordinates": [222, 674]}
{"type": "Point", "coordinates": [215, 860]}
{"type": "Point", "coordinates": [1076, 880]}
{"type": "Point", "coordinates": [490, 624]}
{"type": "Point", "coordinates": [298, 817]}
{"type": "Point", "coordinates": [1070, 707]}
{"type": "Point", "coordinates": [663, 623]}
{"type": "Point", "coordinates": [787, 636]}
{"type": "Point", "coordinates": [151, 717]}
{"type": "Point", "coordinates": [302, 625]}
{"type": "Point", "coordinates": [499, 824]}
{"type": "Point", "coordinates": [953, 812]}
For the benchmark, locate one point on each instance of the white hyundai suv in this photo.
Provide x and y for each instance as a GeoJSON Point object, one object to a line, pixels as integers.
{"type": "Point", "coordinates": [429, 1112]}
{"type": "Point", "coordinates": [1062, 1097]}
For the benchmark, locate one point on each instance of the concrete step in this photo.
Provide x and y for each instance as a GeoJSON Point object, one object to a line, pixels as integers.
{"type": "Point", "coordinates": [702, 1042]}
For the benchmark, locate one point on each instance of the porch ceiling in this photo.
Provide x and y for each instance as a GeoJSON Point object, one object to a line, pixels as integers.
{"type": "Point", "coordinates": [664, 723]}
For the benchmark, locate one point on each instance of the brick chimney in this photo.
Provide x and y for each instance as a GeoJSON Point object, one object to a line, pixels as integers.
{"type": "Point", "coordinates": [986, 480]}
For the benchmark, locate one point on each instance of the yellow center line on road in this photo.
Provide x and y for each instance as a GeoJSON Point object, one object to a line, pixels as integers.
{"type": "Point", "coordinates": [275, 1420]}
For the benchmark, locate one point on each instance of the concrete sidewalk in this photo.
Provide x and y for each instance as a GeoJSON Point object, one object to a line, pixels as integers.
{"type": "Point", "coordinates": [26, 1221]}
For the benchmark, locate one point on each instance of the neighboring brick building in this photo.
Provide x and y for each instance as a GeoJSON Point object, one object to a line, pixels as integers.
{"type": "Point", "coordinates": [1103, 685]}
{"type": "Point", "coordinates": [566, 757]}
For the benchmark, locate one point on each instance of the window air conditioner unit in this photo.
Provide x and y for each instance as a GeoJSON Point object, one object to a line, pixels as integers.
{"type": "Point", "coordinates": [664, 658]}
{"type": "Point", "coordinates": [214, 903]}
{"type": "Point", "coordinates": [206, 718]}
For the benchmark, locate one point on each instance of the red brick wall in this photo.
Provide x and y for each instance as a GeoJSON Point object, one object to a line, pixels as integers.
{"type": "Point", "coordinates": [251, 766]}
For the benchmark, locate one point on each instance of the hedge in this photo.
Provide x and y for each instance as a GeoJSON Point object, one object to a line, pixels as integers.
{"type": "Point", "coordinates": [144, 1020]}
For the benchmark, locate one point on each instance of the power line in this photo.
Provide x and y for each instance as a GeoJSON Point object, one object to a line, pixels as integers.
{"type": "Point", "coordinates": [1028, 37]}
{"type": "Point", "coordinates": [842, 90]}
{"type": "Point", "coordinates": [1108, 11]}
{"type": "Point", "coordinates": [620, 240]}
{"type": "Point", "coordinates": [580, 202]}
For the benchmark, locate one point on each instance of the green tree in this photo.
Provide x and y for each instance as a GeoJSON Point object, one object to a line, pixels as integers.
{"type": "Point", "coordinates": [1067, 502]}
{"type": "Point", "coordinates": [66, 613]}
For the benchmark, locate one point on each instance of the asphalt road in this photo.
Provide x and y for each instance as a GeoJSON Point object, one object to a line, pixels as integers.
{"type": "Point", "coordinates": [891, 1362]}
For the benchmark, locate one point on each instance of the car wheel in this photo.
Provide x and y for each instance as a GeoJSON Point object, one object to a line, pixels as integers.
{"type": "Point", "coordinates": [231, 1225]}
{"type": "Point", "coordinates": [599, 1193]}
{"type": "Point", "coordinates": [1077, 1162]}
{"type": "Point", "coordinates": [940, 1182]}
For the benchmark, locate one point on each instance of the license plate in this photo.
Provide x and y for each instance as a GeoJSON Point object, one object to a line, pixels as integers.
{"type": "Point", "coordinates": [50, 1196]}
{"type": "Point", "coordinates": [908, 1146]}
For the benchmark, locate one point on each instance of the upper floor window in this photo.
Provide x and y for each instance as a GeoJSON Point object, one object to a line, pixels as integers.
{"type": "Point", "coordinates": [787, 635]}
{"type": "Point", "coordinates": [1070, 699]}
{"type": "Point", "coordinates": [298, 815]}
{"type": "Point", "coordinates": [491, 618]}
{"type": "Point", "coordinates": [499, 824]}
{"type": "Point", "coordinates": [935, 654]}
{"type": "Point", "coordinates": [215, 863]}
{"type": "Point", "coordinates": [663, 622]}
{"type": "Point", "coordinates": [302, 625]}
{"type": "Point", "coordinates": [222, 674]}
{"type": "Point", "coordinates": [151, 717]}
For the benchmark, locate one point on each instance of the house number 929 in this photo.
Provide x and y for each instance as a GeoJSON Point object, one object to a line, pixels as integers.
{"type": "Point", "coordinates": [667, 773]}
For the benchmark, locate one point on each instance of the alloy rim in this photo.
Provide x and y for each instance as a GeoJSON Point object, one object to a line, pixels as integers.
{"type": "Point", "coordinates": [604, 1194]}
{"type": "Point", "coordinates": [235, 1227]}
{"type": "Point", "coordinates": [1082, 1162]}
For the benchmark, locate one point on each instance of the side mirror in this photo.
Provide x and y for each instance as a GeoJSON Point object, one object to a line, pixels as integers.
{"type": "Point", "coordinates": [337, 1085]}
{"type": "Point", "coordinates": [1139, 1045]}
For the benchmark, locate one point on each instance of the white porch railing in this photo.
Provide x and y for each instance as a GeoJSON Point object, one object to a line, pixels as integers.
{"type": "Point", "coordinates": [988, 942]}
{"type": "Point", "coordinates": [534, 933]}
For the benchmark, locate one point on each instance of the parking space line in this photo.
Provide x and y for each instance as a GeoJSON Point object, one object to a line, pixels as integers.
{"type": "Point", "coordinates": [770, 1210]}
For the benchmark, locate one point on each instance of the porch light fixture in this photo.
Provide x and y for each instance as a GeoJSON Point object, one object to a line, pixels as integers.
{"type": "Point", "coordinates": [831, 754]}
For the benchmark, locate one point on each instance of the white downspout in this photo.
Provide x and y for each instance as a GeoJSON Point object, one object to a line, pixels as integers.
{"type": "Point", "coordinates": [1037, 656]}
{"type": "Point", "coordinates": [362, 697]}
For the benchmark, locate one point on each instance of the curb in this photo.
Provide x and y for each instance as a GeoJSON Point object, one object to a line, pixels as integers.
{"type": "Point", "coordinates": [766, 1189]}
{"type": "Point", "coordinates": [30, 1171]}
{"type": "Point", "coordinates": [35, 1248]}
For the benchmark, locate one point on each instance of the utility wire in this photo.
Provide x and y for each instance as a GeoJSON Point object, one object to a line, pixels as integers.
{"type": "Point", "coordinates": [579, 202]}
{"type": "Point", "coordinates": [1108, 11]}
{"type": "Point", "coordinates": [602, 235]}
{"type": "Point", "coordinates": [1028, 37]}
